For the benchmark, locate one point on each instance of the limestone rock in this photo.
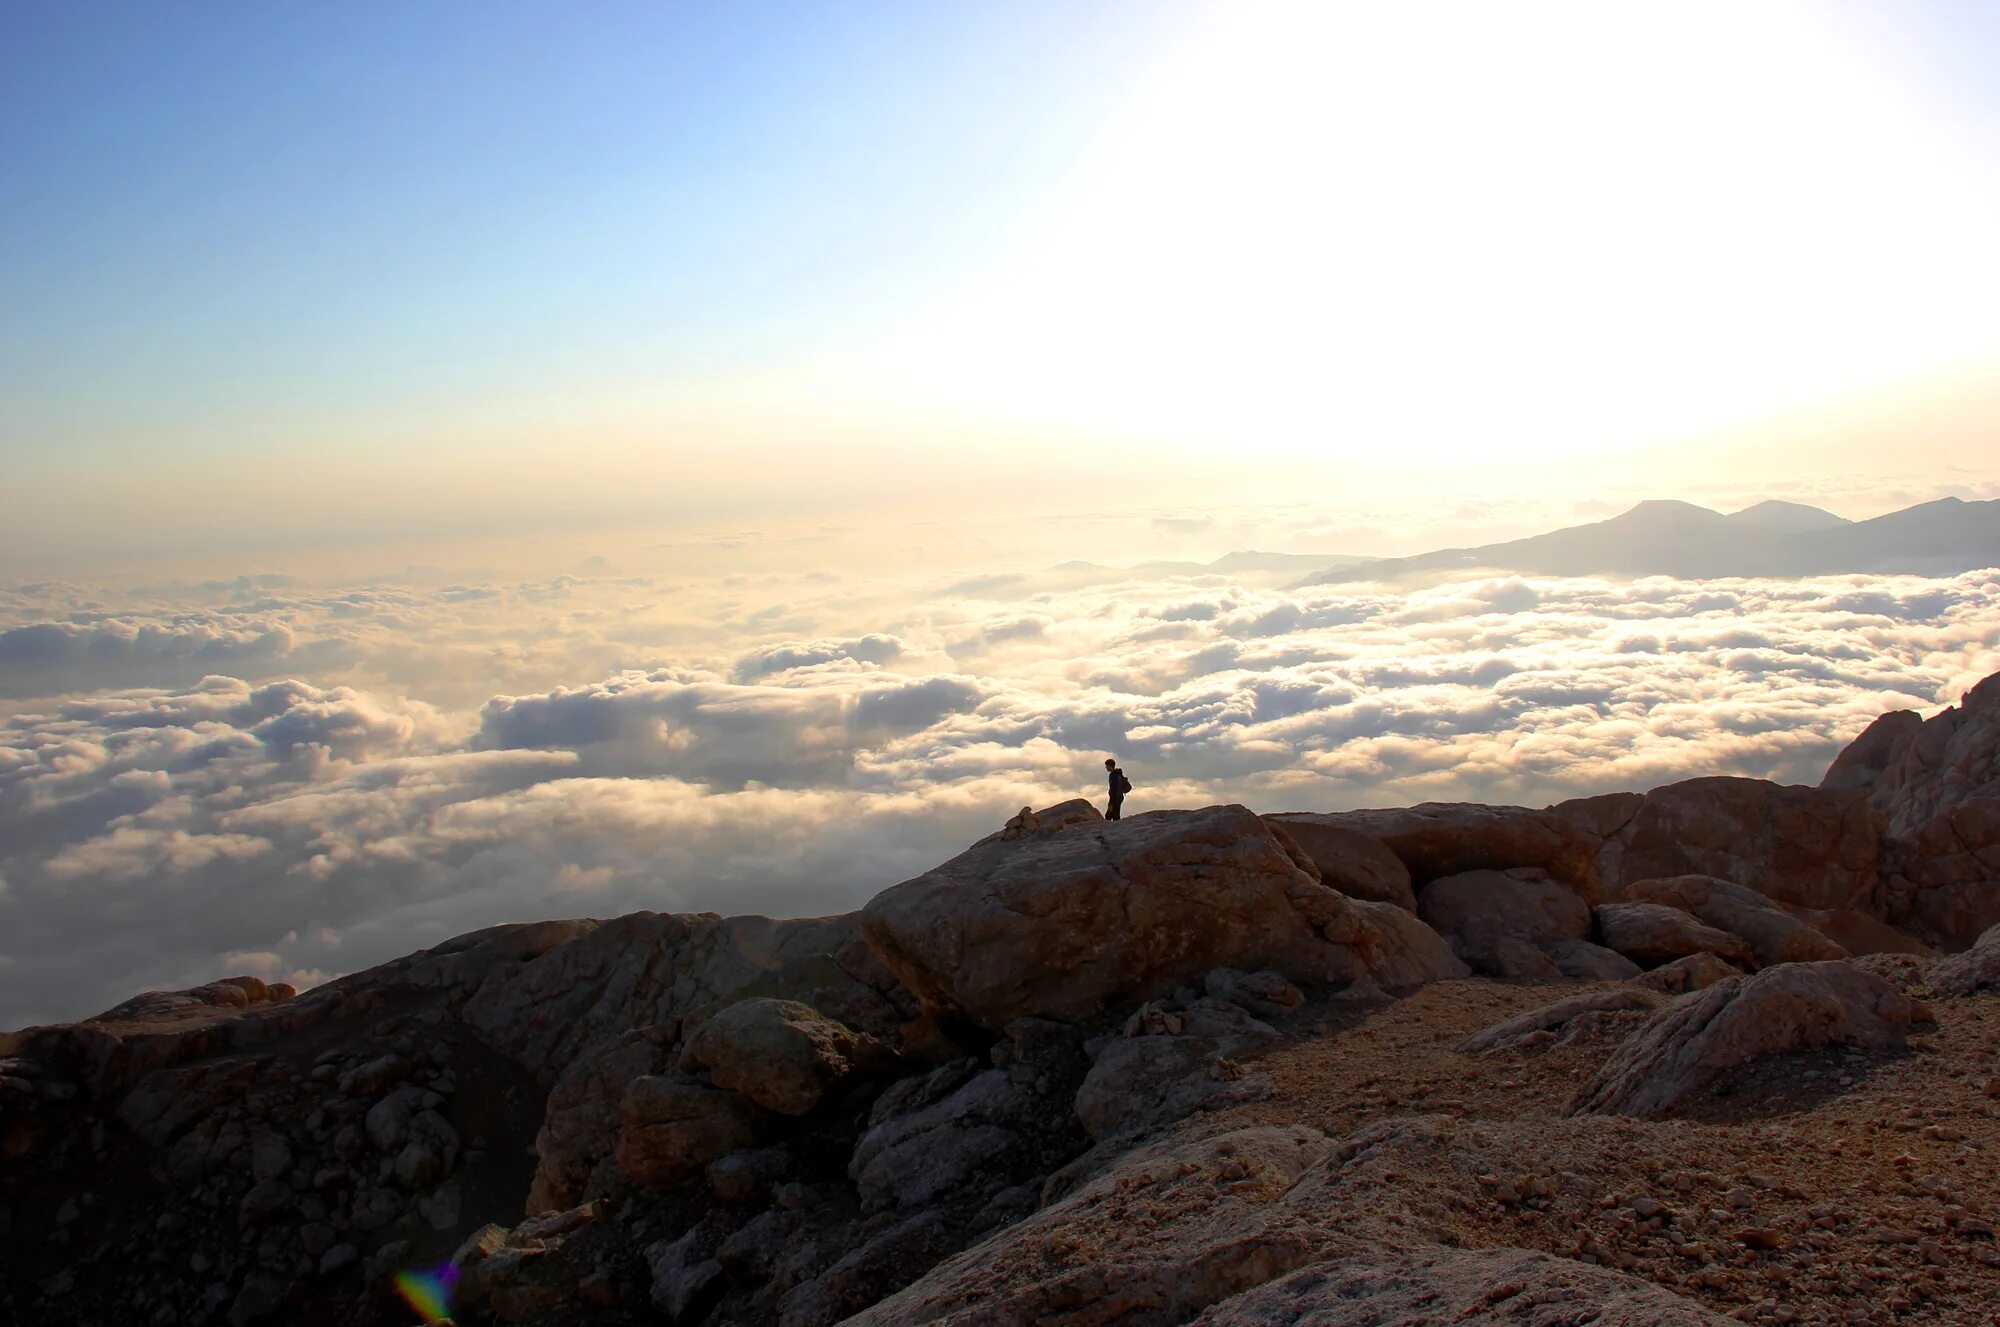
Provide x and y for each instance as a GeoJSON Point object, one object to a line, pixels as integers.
{"type": "Point", "coordinates": [1773, 934]}
{"type": "Point", "coordinates": [1438, 839]}
{"type": "Point", "coordinates": [1977, 969]}
{"type": "Point", "coordinates": [1354, 863]}
{"type": "Point", "coordinates": [1795, 1006]}
{"type": "Point", "coordinates": [1061, 925]}
{"type": "Point", "coordinates": [670, 1128]}
{"type": "Point", "coordinates": [1652, 933]}
{"type": "Point", "coordinates": [781, 1054]}
{"type": "Point", "coordinates": [1028, 822]}
{"type": "Point", "coordinates": [1580, 960]}
{"type": "Point", "coordinates": [1476, 910]}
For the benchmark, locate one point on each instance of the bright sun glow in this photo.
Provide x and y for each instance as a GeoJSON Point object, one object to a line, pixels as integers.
{"type": "Point", "coordinates": [1476, 232]}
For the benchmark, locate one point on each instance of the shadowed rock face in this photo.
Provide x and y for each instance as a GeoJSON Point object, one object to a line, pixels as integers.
{"type": "Point", "coordinates": [1063, 924]}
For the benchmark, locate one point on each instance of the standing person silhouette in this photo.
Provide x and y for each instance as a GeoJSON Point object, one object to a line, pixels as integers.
{"type": "Point", "coordinates": [1120, 785]}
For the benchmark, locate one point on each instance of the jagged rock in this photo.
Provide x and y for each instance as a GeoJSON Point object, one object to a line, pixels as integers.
{"type": "Point", "coordinates": [1488, 1287]}
{"type": "Point", "coordinates": [1808, 846]}
{"type": "Point", "coordinates": [941, 1134]}
{"type": "Point", "coordinates": [1440, 839]}
{"type": "Point", "coordinates": [1977, 969]}
{"type": "Point", "coordinates": [1550, 1017]}
{"type": "Point", "coordinates": [781, 1054]}
{"type": "Point", "coordinates": [1652, 933]}
{"type": "Point", "coordinates": [1916, 770]}
{"type": "Point", "coordinates": [686, 1278]}
{"type": "Point", "coordinates": [1580, 960]}
{"type": "Point", "coordinates": [1061, 925]}
{"type": "Point", "coordinates": [1795, 1006]}
{"type": "Point", "coordinates": [1774, 935]}
{"type": "Point", "coordinates": [1696, 972]}
{"type": "Point", "coordinates": [1861, 762]}
{"type": "Point", "coordinates": [671, 1128]}
{"type": "Point", "coordinates": [1354, 863]}
{"type": "Point", "coordinates": [1476, 910]}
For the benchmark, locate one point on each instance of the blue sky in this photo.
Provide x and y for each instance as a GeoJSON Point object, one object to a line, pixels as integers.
{"type": "Point", "coordinates": [678, 250]}
{"type": "Point", "coordinates": [216, 209]}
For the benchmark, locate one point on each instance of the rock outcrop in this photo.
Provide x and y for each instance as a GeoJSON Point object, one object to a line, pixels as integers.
{"type": "Point", "coordinates": [1809, 846]}
{"type": "Point", "coordinates": [1795, 1006]}
{"type": "Point", "coordinates": [1065, 924]}
{"type": "Point", "coordinates": [1439, 839]}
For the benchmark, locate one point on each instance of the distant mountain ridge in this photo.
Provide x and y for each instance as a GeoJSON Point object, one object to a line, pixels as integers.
{"type": "Point", "coordinates": [1668, 538]}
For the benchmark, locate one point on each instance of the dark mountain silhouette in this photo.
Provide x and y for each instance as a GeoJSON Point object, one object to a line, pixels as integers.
{"type": "Point", "coordinates": [1770, 539]}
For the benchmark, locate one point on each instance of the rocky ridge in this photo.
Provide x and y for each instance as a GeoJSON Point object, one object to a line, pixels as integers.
{"type": "Point", "coordinates": [1666, 1057]}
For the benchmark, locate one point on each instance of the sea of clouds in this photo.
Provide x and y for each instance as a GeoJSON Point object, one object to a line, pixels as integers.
{"type": "Point", "coordinates": [260, 776]}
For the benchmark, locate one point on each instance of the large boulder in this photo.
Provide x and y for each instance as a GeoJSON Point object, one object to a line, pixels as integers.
{"type": "Point", "coordinates": [1060, 925]}
{"type": "Point", "coordinates": [1773, 934]}
{"type": "Point", "coordinates": [1580, 960]}
{"type": "Point", "coordinates": [781, 1054]}
{"type": "Point", "coordinates": [1809, 846]}
{"type": "Point", "coordinates": [1490, 916]}
{"type": "Point", "coordinates": [1652, 933]}
{"type": "Point", "coordinates": [1977, 969]}
{"type": "Point", "coordinates": [1795, 1006]}
{"type": "Point", "coordinates": [1439, 839]}
{"type": "Point", "coordinates": [1354, 863]}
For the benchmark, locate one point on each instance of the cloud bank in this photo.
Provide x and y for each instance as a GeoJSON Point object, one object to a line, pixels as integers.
{"type": "Point", "coordinates": [321, 794]}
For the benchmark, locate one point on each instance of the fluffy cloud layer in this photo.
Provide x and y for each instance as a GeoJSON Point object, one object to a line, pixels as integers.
{"type": "Point", "coordinates": [735, 751]}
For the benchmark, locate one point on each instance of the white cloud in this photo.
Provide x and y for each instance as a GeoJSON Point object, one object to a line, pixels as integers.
{"type": "Point", "coordinates": [771, 763]}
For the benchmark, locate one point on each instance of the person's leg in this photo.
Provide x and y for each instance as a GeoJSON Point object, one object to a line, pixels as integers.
{"type": "Point", "coordinates": [1116, 802]}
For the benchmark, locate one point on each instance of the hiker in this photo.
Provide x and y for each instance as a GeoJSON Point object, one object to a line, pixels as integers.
{"type": "Point", "coordinates": [1120, 785]}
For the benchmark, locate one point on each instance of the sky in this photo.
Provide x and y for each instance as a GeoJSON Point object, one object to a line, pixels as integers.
{"type": "Point", "coordinates": [466, 463]}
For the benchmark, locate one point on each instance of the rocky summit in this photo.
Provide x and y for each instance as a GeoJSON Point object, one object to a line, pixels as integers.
{"type": "Point", "coordinates": [1719, 1051]}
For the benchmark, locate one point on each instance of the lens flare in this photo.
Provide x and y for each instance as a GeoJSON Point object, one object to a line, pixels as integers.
{"type": "Point", "coordinates": [428, 1292]}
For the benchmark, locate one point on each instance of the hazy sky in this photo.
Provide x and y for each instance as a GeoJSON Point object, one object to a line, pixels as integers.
{"type": "Point", "coordinates": [472, 462]}
{"type": "Point", "coordinates": [285, 274]}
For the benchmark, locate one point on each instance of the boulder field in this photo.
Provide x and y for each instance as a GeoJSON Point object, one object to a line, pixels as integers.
{"type": "Point", "coordinates": [1720, 1051]}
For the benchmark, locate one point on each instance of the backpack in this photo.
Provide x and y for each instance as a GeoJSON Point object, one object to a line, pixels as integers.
{"type": "Point", "coordinates": [1124, 784]}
